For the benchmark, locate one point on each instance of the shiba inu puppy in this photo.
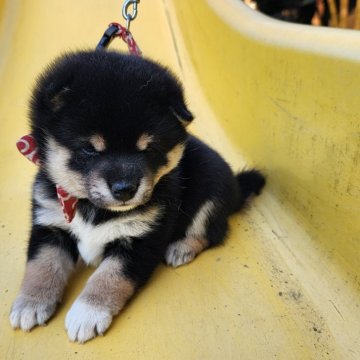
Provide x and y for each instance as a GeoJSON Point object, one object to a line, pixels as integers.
{"type": "Point", "coordinates": [111, 131]}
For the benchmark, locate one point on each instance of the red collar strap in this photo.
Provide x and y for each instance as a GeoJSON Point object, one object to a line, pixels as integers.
{"type": "Point", "coordinates": [117, 30]}
{"type": "Point", "coordinates": [127, 37]}
{"type": "Point", "coordinates": [27, 147]}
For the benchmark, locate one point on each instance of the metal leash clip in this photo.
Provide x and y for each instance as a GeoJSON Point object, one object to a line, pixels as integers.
{"type": "Point", "coordinates": [115, 29]}
{"type": "Point", "coordinates": [129, 16]}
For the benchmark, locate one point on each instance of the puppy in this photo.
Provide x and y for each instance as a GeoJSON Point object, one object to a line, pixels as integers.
{"type": "Point", "coordinates": [111, 131]}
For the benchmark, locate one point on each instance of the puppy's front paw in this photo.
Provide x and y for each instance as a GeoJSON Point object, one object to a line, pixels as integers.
{"type": "Point", "coordinates": [84, 321]}
{"type": "Point", "coordinates": [27, 313]}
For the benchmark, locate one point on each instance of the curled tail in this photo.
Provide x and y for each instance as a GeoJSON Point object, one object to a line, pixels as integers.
{"type": "Point", "coordinates": [250, 183]}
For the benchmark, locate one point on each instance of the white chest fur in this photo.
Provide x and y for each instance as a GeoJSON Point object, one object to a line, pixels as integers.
{"type": "Point", "coordinates": [93, 238]}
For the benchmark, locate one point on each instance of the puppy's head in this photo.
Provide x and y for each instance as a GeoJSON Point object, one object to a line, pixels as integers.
{"type": "Point", "coordinates": [108, 126]}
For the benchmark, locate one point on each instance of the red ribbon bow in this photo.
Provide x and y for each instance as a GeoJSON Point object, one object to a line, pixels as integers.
{"type": "Point", "coordinates": [27, 147]}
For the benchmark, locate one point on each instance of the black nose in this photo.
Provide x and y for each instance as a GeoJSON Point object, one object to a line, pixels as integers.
{"type": "Point", "coordinates": [123, 190]}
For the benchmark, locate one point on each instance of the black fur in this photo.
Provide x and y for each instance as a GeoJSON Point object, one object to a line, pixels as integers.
{"type": "Point", "coordinates": [122, 97]}
{"type": "Point", "coordinates": [41, 236]}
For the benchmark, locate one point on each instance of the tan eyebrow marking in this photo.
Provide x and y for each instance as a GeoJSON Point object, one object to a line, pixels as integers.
{"type": "Point", "coordinates": [98, 142]}
{"type": "Point", "coordinates": [144, 141]}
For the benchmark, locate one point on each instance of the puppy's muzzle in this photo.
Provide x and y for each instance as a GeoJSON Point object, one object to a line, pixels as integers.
{"type": "Point", "coordinates": [124, 190]}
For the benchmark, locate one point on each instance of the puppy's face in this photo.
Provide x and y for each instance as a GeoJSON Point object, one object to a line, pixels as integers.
{"type": "Point", "coordinates": [109, 126]}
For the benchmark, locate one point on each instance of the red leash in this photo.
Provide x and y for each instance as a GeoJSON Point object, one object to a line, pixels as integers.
{"type": "Point", "coordinates": [117, 30]}
{"type": "Point", "coordinates": [27, 144]}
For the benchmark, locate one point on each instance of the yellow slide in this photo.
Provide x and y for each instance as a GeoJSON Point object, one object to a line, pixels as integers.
{"type": "Point", "coordinates": [282, 97]}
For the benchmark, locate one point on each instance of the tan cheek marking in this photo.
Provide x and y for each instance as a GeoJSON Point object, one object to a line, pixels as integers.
{"type": "Point", "coordinates": [57, 165]}
{"type": "Point", "coordinates": [46, 275]}
{"type": "Point", "coordinates": [98, 142]}
{"type": "Point", "coordinates": [144, 141]}
{"type": "Point", "coordinates": [108, 287]}
{"type": "Point", "coordinates": [98, 187]}
{"type": "Point", "coordinates": [173, 158]}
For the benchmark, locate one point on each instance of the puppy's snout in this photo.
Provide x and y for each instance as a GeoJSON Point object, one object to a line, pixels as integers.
{"type": "Point", "coordinates": [123, 190]}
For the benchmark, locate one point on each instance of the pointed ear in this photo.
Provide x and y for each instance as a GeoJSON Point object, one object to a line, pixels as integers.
{"type": "Point", "coordinates": [57, 99]}
{"type": "Point", "coordinates": [57, 86]}
{"type": "Point", "coordinates": [182, 113]}
{"type": "Point", "coordinates": [172, 93]}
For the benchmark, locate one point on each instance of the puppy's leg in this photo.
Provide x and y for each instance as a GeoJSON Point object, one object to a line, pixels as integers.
{"type": "Point", "coordinates": [185, 250]}
{"type": "Point", "coordinates": [208, 228]}
{"type": "Point", "coordinates": [105, 294]}
{"type": "Point", "coordinates": [47, 270]}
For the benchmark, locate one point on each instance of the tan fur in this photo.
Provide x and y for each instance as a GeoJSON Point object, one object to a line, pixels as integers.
{"type": "Point", "coordinates": [42, 288]}
{"type": "Point", "coordinates": [99, 188]}
{"type": "Point", "coordinates": [196, 244]}
{"type": "Point", "coordinates": [108, 287]}
{"type": "Point", "coordinates": [197, 228]}
{"type": "Point", "coordinates": [183, 122]}
{"type": "Point", "coordinates": [183, 251]}
{"type": "Point", "coordinates": [46, 275]}
{"type": "Point", "coordinates": [173, 158]}
{"type": "Point", "coordinates": [144, 141]}
{"type": "Point", "coordinates": [98, 142]}
{"type": "Point", "coordinates": [57, 163]}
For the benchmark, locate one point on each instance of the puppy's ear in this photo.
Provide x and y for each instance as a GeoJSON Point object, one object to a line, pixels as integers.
{"type": "Point", "coordinates": [57, 84]}
{"type": "Point", "coordinates": [57, 98]}
{"type": "Point", "coordinates": [173, 95]}
{"type": "Point", "coordinates": [180, 110]}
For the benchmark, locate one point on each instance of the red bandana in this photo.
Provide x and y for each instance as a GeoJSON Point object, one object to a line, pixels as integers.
{"type": "Point", "coordinates": [27, 146]}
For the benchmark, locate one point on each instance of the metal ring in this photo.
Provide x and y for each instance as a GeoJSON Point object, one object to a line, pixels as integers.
{"type": "Point", "coordinates": [127, 16]}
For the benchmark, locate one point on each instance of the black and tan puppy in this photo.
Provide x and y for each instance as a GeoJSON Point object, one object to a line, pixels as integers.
{"type": "Point", "coordinates": [111, 130]}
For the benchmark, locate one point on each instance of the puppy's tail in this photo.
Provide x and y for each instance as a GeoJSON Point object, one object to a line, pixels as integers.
{"type": "Point", "coordinates": [250, 183]}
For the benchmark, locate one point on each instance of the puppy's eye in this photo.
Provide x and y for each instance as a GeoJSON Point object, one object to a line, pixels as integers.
{"type": "Point", "coordinates": [88, 150]}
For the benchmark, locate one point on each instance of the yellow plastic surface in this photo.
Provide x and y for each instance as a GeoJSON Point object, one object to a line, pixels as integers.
{"type": "Point", "coordinates": [281, 96]}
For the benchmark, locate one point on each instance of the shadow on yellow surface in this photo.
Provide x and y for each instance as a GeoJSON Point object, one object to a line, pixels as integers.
{"type": "Point", "coordinates": [284, 97]}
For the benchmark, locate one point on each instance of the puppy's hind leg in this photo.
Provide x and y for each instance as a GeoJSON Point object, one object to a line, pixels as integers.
{"type": "Point", "coordinates": [183, 251]}
{"type": "Point", "coordinates": [47, 270]}
{"type": "Point", "coordinates": [204, 231]}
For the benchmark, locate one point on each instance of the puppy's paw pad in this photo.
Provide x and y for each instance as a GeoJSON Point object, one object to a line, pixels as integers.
{"type": "Point", "coordinates": [179, 253]}
{"type": "Point", "coordinates": [26, 313]}
{"type": "Point", "coordinates": [84, 321]}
